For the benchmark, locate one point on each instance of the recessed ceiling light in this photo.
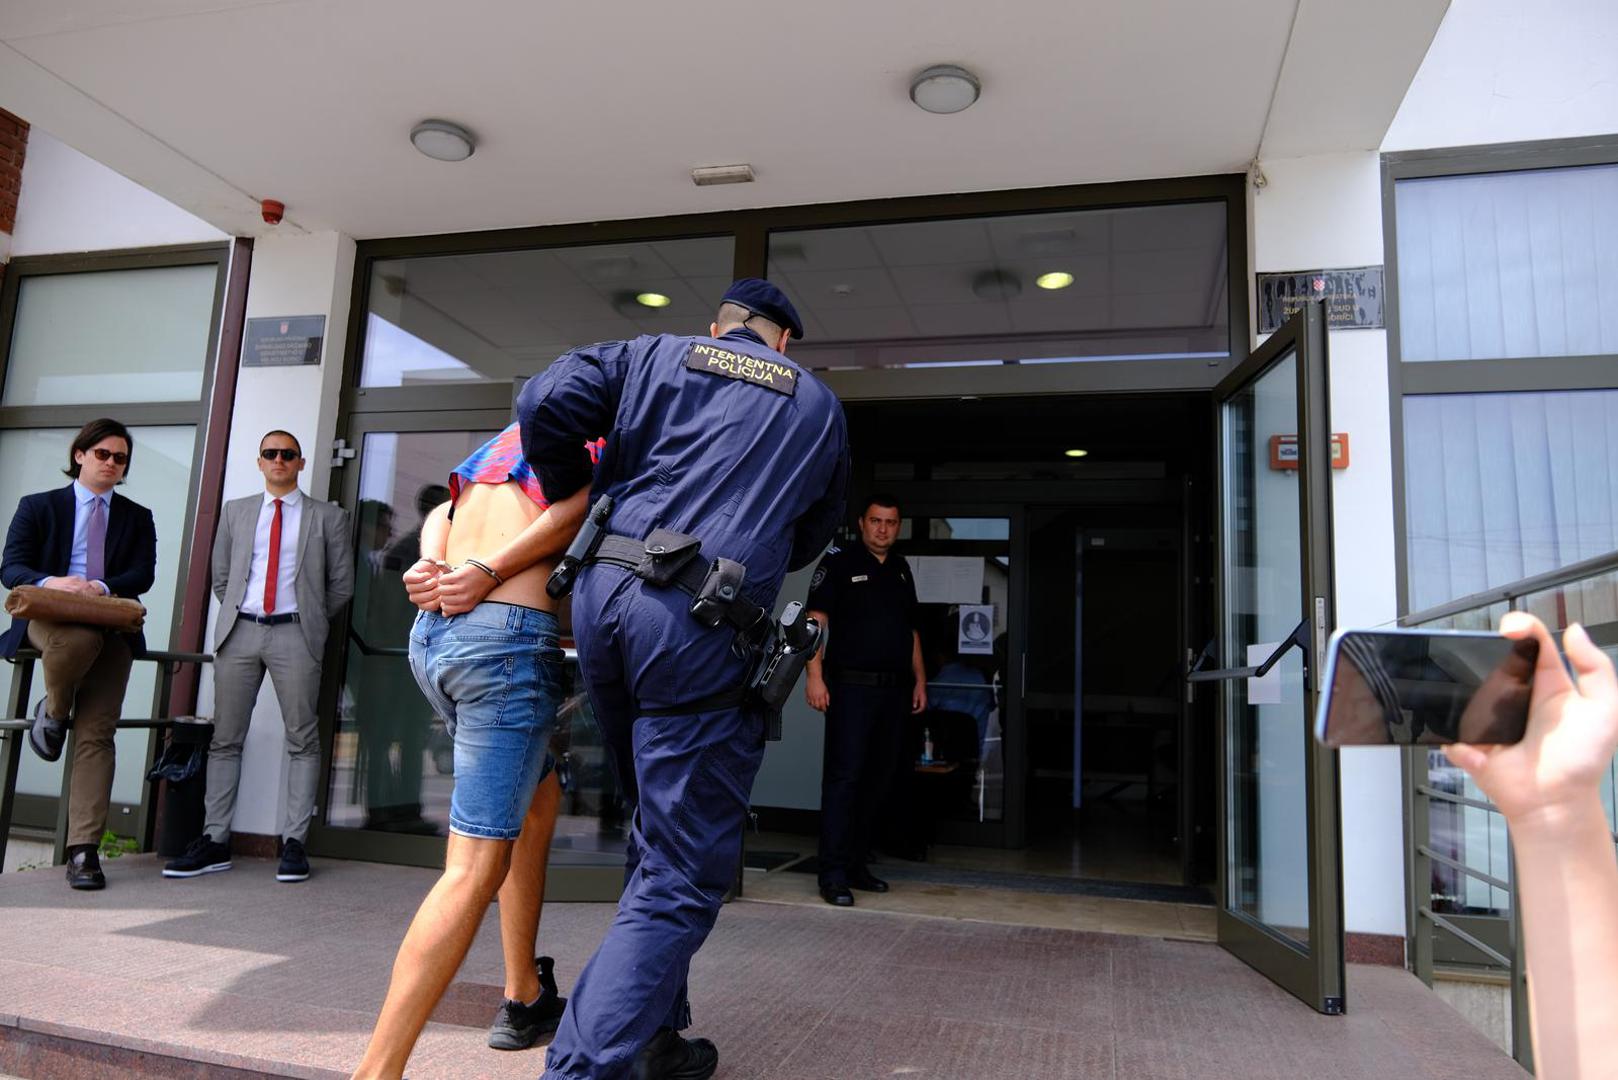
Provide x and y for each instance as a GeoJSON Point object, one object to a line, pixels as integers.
{"type": "Point", "coordinates": [652, 300]}
{"type": "Point", "coordinates": [944, 88]}
{"type": "Point", "coordinates": [1076, 453]}
{"type": "Point", "coordinates": [443, 141]}
{"type": "Point", "coordinates": [1056, 279]}
{"type": "Point", "coordinates": [842, 289]}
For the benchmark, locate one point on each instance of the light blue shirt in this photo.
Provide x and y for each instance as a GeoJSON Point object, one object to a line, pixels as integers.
{"type": "Point", "coordinates": [82, 498]}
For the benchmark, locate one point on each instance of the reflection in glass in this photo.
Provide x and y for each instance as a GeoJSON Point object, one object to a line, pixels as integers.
{"type": "Point", "coordinates": [1148, 282]}
{"type": "Point", "coordinates": [393, 760]}
{"type": "Point", "coordinates": [111, 335]}
{"type": "Point", "coordinates": [1268, 816]}
{"type": "Point", "coordinates": [492, 316]}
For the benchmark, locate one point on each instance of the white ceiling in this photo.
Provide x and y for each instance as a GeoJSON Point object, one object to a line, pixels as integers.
{"type": "Point", "coordinates": [594, 111]}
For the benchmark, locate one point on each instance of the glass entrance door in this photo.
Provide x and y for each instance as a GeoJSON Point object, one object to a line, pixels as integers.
{"type": "Point", "coordinates": [1280, 883]}
{"type": "Point", "coordinates": [390, 760]}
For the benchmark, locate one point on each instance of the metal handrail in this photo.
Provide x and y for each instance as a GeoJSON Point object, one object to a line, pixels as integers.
{"type": "Point", "coordinates": [1420, 858]}
{"type": "Point", "coordinates": [1454, 864]}
{"type": "Point", "coordinates": [1438, 920]}
{"type": "Point", "coordinates": [16, 723]}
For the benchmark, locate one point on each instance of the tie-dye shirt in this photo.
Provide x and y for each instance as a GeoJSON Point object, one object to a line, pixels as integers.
{"type": "Point", "coordinates": [500, 459]}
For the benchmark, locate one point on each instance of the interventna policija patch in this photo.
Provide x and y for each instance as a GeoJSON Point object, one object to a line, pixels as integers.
{"type": "Point", "coordinates": [752, 369]}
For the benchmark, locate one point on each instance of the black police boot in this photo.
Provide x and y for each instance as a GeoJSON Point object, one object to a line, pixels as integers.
{"type": "Point", "coordinates": [518, 1026]}
{"type": "Point", "coordinates": [837, 894]}
{"type": "Point", "coordinates": [669, 1057]}
{"type": "Point", "coordinates": [865, 880]}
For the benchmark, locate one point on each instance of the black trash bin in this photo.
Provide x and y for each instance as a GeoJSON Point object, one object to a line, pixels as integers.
{"type": "Point", "coordinates": [183, 768]}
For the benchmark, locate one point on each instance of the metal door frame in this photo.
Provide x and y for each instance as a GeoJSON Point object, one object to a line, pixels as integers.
{"type": "Point", "coordinates": [1316, 977]}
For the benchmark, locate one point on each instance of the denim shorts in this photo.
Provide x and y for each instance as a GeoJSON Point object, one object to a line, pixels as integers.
{"type": "Point", "coordinates": [495, 677]}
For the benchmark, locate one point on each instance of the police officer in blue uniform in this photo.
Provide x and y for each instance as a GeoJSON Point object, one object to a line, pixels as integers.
{"type": "Point", "coordinates": [723, 439]}
{"type": "Point", "coordinates": [870, 676]}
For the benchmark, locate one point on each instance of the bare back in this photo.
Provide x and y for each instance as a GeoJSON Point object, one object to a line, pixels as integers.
{"type": "Point", "coordinates": [487, 517]}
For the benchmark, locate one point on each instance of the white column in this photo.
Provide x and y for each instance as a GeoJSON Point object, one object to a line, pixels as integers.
{"type": "Point", "coordinates": [1318, 213]}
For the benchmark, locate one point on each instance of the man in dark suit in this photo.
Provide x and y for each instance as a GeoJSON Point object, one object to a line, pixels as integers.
{"type": "Point", "coordinates": [82, 538]}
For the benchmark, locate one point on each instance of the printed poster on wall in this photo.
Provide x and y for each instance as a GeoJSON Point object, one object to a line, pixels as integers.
{"type": "Point", "coordinates": [947, 579]}
{"type": "Point", "coordinates": [976, 634]}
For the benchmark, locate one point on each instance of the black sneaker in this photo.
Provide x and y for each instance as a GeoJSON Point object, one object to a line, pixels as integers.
{"type": "Point", "coordinates": [294, 863]}
{"type": "Point", "coordinates": [669, 1057]}
{"type": "Point", "coordinates": [203, 856]}
{"type": "Point", "coordinates": [517, 1026]}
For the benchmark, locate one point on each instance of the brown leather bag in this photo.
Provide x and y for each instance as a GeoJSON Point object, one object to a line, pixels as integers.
{"type": "Point", "coordinates": [56, 606]}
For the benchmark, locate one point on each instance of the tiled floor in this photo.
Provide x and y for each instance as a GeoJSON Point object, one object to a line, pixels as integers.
{"type": "Point", "coordinates": [235, 970]}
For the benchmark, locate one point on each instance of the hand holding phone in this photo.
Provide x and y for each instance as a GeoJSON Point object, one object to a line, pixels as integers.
{"type": "Point", "coordinates": [1571, 734]}
{"type": "Point", "coordinates": [1408, 687]}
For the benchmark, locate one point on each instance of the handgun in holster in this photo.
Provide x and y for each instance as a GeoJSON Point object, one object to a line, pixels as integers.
{"type": "Point", "coordinates": [581, 550]}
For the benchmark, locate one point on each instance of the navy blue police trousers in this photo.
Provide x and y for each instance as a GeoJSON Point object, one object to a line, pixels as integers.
{"type": "Point", "coordinates": [688, 777]}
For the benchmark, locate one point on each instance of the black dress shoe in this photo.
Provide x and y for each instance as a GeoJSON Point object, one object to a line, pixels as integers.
{"type": "Point", "coordinates": [47, 735]}
{"type": "Point", "coordinates": [669, 1057]}
{"type": "Point", "coordinates": [84, 869]}
{"type": "Point", "coordinates": [837, 895]}
{"type": "Point", "coordinates": [867, 881]}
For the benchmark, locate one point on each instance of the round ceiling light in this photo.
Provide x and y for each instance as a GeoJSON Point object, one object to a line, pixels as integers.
{"type": "Point", "coordinates": [442, 140]}
{"type": "Point", "coordinates": [1055, 279]}
{"type": "Point", "coordinates": [652, 300]}
{"type": "Point", "coordinates": [944, 88]}
{"type": "Point", "coordinates": [1076, 453]}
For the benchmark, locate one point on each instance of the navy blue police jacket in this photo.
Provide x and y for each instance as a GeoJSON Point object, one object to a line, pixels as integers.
{"type": "Point", "coordinates": [723, 439]}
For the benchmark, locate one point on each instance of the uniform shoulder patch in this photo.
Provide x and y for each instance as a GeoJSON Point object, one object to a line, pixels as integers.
{"type": "Point", "coordinates": [743, 368]}
{"type": "Point", "coordinates": [819, 579]}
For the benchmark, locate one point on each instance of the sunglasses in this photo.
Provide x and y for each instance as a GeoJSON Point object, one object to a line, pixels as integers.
{"type": "Point", "coordinates": [279, 452]}
{"type": "Point", "coordinates": [116, 456]}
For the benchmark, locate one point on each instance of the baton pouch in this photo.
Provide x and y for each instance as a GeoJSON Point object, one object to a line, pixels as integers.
{"type": "Point", "coordinates": [667, 552]}
{"type": "Point", "coordinates": [719, 590]}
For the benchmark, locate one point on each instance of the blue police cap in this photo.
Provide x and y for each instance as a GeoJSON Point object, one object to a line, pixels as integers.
{"type": "Point", "coordinates": [762, 298]}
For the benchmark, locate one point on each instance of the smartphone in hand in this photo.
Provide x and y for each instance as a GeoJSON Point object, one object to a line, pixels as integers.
{"type": "Point", "coordinates": [1425, 687]}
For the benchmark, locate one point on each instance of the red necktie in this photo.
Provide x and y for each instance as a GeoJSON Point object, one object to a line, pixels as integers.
{"type": "Point", "coordinates": [274, 566]}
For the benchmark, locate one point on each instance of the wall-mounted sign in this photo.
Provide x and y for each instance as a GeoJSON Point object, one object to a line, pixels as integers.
{"type": "Point", "coordinates": [1284, 451]}
{"type": "Point", "coordinates": [286, 341]}
{"type": "Point", "coordinates": [1353, 297]}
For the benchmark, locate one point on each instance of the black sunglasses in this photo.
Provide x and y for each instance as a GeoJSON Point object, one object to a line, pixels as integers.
{"type": "Point", "coordinates": [283, 453]}
{"type": "Point", "coordinates": [103, 454]}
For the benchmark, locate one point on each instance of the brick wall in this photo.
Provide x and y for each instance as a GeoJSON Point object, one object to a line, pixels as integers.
{"type": "Point", "coordinates": [13, 147]}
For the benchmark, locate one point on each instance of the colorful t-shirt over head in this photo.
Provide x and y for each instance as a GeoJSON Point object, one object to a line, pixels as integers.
{"type": "Point", "coordinates": [500, 459]}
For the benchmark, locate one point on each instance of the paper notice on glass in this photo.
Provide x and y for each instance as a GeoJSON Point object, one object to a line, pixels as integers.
{"type": "Point", "coordinates": [1265, 691]}
{"type": "Point", "coordinates": [976, 635]}
{"type": "Point", "coordinates": [948, 579]}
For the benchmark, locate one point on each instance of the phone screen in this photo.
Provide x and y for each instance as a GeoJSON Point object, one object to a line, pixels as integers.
{"type": "Point", "coordinates": [1411, 687]}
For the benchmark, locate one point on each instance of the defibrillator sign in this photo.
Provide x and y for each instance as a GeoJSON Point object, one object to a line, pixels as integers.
{"type": "Point", "coordinates": [733, 365]}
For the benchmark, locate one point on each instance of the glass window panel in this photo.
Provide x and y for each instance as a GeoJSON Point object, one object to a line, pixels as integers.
{"type": "Point", "coordinates": [1133, 283]}
{"type": "Point", "coordinates": [1500, 487]}
{"type": "Point", "coordinates": [492, 316]}
{"type": "Point", "coordinates": [1513, 264]}
{"type": "Point", "coordinates": [160, 480]}
{"type": "Point", "coordinates": [393, 761]}
{"type": "Point", "coordinates": [111, 335]}
{"type": "Point", "coordinates": [1267, 813]}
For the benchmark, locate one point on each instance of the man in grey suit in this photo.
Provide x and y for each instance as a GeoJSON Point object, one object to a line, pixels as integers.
{"type": "Point", "coordinates": [281, 569]}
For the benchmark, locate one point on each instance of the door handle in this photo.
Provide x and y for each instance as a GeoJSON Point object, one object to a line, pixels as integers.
{"type": "Point", "coordinates": [1298, 639]}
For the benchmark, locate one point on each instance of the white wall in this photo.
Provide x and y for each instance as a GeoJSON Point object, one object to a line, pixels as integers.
{"type": "Point", "coordinates": [301, 275]}
{"type": "Point", "coordinates": [73, 203]}
{"type": "Point", "coordinates": [1321, 212]}
{"type": "Point", "coordinates": [1508, 71]}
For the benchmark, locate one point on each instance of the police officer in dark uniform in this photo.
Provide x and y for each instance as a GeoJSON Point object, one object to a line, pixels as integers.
{"type": "Point", "coordinates": [725, 440]}
{"type": "Point", "coordinates": [870, 676]}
